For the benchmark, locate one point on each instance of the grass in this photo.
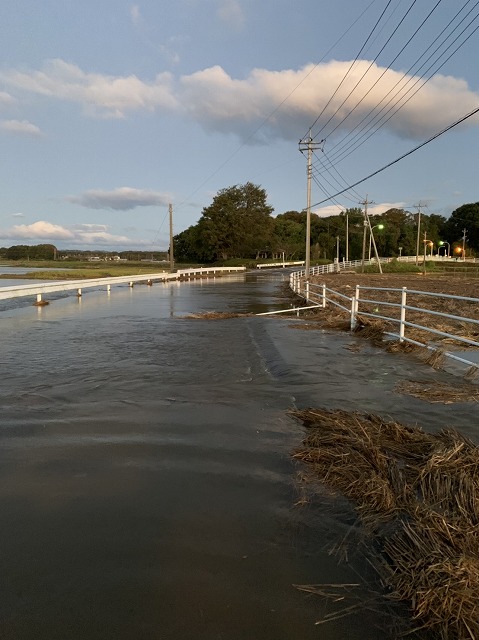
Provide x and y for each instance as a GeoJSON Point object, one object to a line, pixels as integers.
{"type": "Point", "coordinates": [399, 267]}
{"type": "Point", "coordinates": [81, 270]}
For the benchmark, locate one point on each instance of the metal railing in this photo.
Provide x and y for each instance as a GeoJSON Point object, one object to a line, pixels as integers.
{"type": "Point", "coordinates": [41, 288]}
{"type": "Point", "coordinates": [399, 313]}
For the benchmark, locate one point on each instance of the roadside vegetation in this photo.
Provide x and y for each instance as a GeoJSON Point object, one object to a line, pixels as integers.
{"type": "Point", "coordinates": [79, 270]}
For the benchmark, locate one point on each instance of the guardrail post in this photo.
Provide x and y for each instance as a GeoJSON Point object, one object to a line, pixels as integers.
{"type": "Point", "coordinates": [323, 296]}
{"type": "Point", "coordinates": [131, 285]}
{"type": "Point", "coordinates": [402, 326]}
{"type": "Point", "coordinates": [79, 293]}
{"type": "Point", "coordinates": [108, 288]}
{"type": "Point", "coordinates": [39, 298]}
{"type": "Point", "coordinates": [307, 292]}
{"type": "Point", "coordinates": [353, 316]}
{"type": "Point", "coordinates": [354, 308]}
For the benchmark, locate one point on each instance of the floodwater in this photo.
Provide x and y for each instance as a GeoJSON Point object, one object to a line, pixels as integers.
{"type": "Point", "coordinates": [146, 485]}
{"type": "Point", "coordinates": [17, 271]}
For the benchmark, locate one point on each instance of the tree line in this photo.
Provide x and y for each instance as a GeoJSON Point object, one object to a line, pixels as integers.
{"type": "Point", "coordinates": [239, 224]}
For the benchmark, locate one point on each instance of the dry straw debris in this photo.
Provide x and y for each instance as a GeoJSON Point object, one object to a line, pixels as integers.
{"type": "Point", "coordinates": [439, 392]}
{"type": "Point", "coordinates": [215, 315]}
{"type": "Point", "coordinates": [416, 495]}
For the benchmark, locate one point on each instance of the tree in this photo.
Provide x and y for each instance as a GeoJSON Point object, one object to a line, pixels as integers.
{"type": "Point", "coordinates": [288, 236]}
{"type": "Point", "coordinates": [465, 217]}
{"type": "Point", "coordinates": [237, 224]}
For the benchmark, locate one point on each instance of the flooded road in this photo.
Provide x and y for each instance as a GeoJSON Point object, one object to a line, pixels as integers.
{"type": "Point", "coordinates": [146, 485]}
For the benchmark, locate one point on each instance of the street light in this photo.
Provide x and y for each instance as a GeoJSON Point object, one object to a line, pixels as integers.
{"type": "Point", "coordinates": [376, 226]}
{"type": "Point", "coordinates": [448, 248]}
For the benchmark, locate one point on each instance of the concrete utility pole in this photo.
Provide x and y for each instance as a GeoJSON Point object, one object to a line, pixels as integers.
{"type": "Point", "coordinates": [418, 207]}
{"type": "Point", "coordinates": [425, 244]}
{"type": "Point", "coordinates": [347, 236]}
{"type": "Point", "coordinates": [172, 257]}
{"type": "Point", "coordinates": [367, 225]}
{"type": "Point", "coordinates": [307, 144]}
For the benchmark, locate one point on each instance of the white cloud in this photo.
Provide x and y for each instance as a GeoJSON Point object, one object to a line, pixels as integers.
{"type": "Point", "coordinates": [79, 235]}
{"type": "Point", "coordinates": [122, 199]}
{"type": "Point", "coordinates": [6, 99]}
{"type": "Point", "coordinates": [218, 102]}
{"type": "Point", "coordinates": [222, 103]}
{"type": "Point", "coordinates": [331, 210]}
{"type": "Point", "coordinates": [40, 230]}
{"type": "Point", "coordinates": [90, 228]}
{"type": "Point", "coordinates": [373, 209]}
{"type": "Point", "coordinates": [382, 207]}
{"type": "Point", "coordinates": [18, 215]}
{"type": "Point", "coordinates": [20, 127]}
{"type": "Point", "coordinates": [230, 12]}
{"type": "Point", "coordinates": [100, 95]}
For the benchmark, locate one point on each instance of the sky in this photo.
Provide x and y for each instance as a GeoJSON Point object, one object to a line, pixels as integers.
{"type": "Point", "coordinates": [110, 110]}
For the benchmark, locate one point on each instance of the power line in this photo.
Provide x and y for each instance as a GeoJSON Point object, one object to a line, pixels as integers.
{"type": "Point", "coordinates": [351, 66]}
{"type": "Point", "coordinates": [411, 151]}
{"type": "Point", "coordinates": [383, 120]}
{"type": "Point", "coordinates": [343, 146]}
{"type": "Point", "coordinates": [403, 48]}
{"type": "Point", "coordinates": [277, 108]}
{"type": "Point", "coordinates": [366, 72]}
{"type": "Point", "coordinates": [329, 171]}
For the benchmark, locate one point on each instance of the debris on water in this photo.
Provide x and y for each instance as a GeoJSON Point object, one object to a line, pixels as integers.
{"type": "Point", "coordinates": [416, 496]}
{"type": "Point", "coordinates": [215, 315]}
{"type": "Point", "coordinates": [439, 392]}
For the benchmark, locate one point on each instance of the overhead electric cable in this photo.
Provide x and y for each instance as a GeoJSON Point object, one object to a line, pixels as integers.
{"type": "Point", "coordinates": [344, 144]}
{"type": "Point", "coordinates": [332, 167]}
{"type": "Point", "coordinates": [346, 150]}
{"type": "Point", "coordinates": [341, 182]}
{"type": "Point", "coordinates": [365, 72]}
{"type": "Point", "coordinates": [404, 155]}
{"type": "Point", "coordinates": [386, 69]}
{"type": "Point", "coordinates": [349, 70]}
{"type": "Point", "coordinates": [327, 193]}
{"type": "Point", "coordinates": [276, 109]}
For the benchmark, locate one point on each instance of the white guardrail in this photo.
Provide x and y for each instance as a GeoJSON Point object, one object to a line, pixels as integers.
{"type": "Point", "coordinates": [322, 295]}
{"type": "Point", "coordinates": [40, 289]}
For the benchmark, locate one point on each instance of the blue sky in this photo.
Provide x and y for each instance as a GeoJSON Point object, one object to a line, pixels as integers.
{"type": "Point", "coordinates": [110, 110]}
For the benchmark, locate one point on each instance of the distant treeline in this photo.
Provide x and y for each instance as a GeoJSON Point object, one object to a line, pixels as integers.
{"type": "Point", "coordinates": [239, 224]}
{"type": "Point", "coordinates": [50, 252]}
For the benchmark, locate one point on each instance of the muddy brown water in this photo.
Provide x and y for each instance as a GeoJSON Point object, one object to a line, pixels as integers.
{"type": "Point", "coordinates": [146, 485]}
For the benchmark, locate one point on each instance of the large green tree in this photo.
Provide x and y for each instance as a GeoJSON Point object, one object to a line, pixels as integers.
{"type": "Point", "coordinates": [237, 224]}
{"type": "Point", "coordinates": [288, 236]}
{"type": "Point", "coordinates": [465, 218]}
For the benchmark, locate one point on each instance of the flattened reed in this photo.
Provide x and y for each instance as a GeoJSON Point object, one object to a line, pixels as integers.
{"type": "Point", "coordinates": [417, 498]}
{"type": "Point", "coordinates": [439, 392]}
{"type": "Point", "coordinates": [215, 315]}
